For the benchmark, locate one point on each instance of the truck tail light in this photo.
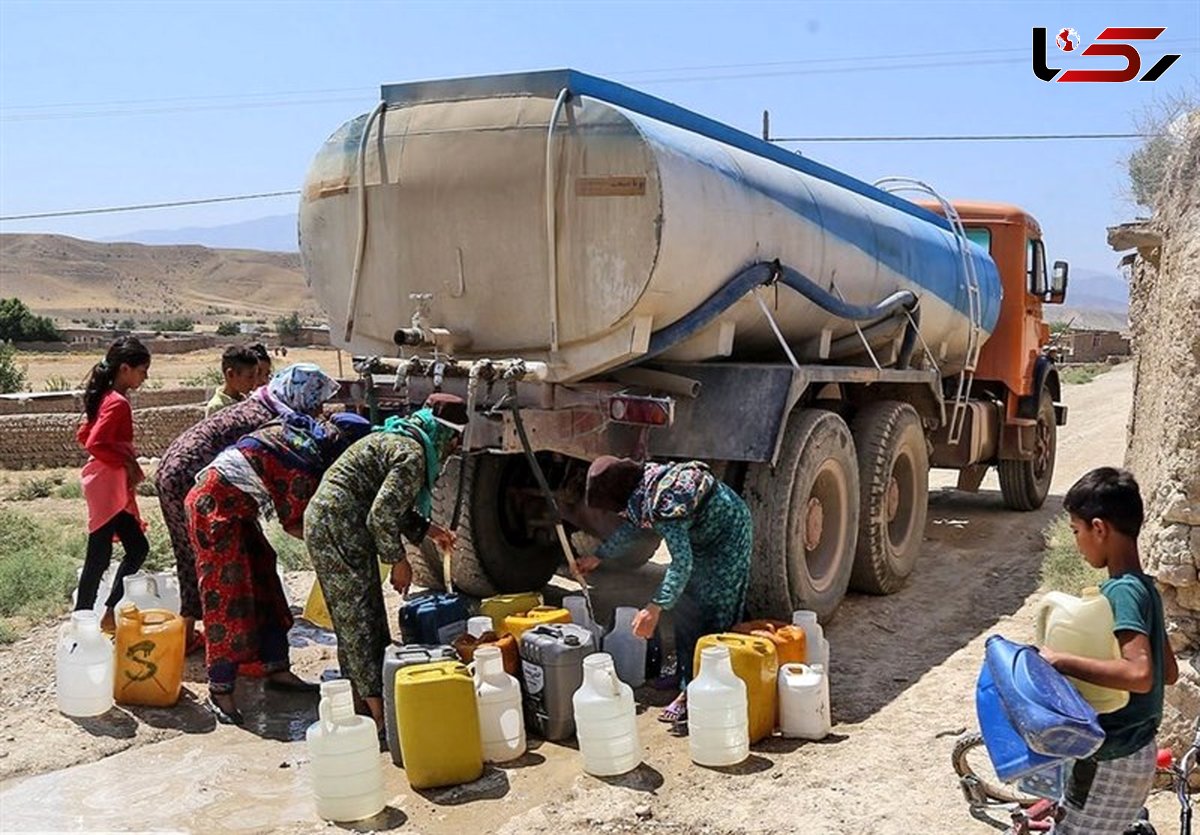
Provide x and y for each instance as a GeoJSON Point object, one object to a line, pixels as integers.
{"type": "Point", "coordinates": [644, 411]}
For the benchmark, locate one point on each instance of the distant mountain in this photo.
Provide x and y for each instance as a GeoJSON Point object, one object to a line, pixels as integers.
{"type": "Point", "coordinates": [276, 233]}
{"type": "Point", "coordinates": [72, 279]}
{"type": "Point", "coordinates": [1096, 300]}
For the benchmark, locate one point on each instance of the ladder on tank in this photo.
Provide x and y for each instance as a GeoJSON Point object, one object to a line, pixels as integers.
{"type": "Point", "coordinates": [966, 377]}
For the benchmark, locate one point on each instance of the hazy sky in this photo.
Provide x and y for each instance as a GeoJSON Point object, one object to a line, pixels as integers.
{"type": "Point", "coordinates": [120, 103]}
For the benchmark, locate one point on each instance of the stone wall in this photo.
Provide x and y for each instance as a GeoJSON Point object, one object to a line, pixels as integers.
{"type": "Point", "coordinates": [1164, 425]}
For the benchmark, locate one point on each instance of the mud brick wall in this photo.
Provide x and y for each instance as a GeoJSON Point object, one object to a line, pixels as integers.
{"type": "Point", "coordinates": [1164, 427]}
{"type": "Point", "coordinates": [71, 402]}
{"type": "Point", "coordinates": [33, 441]}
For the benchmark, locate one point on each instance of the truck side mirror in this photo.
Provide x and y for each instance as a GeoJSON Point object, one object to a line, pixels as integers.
{"type": "Point", "coordinates": [1058, 283]}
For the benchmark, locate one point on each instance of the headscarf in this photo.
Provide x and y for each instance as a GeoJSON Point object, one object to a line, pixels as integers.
{"type": "Point", "coordinates": [297, 440]}
{"type": "Point", "coordinates": [435, 438]}
{"type": "Point", "coordinates": [301, 387]}
{"type": "Point", "coordinates": [610, 481]}
{"type": "Point", "coordinates": [350, 428]}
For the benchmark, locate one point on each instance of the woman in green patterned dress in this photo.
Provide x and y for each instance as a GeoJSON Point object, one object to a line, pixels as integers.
{"type": "Point", "coordinates": [378, 493]}
{"type": "Point", "coordinates": [706, 527]}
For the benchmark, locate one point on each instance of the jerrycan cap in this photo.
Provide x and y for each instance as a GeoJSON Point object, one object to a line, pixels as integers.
{"type": "Point", "coordinates": [571, 640]}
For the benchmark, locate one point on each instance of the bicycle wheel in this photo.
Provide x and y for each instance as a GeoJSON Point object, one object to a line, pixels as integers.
{"type": "Point", "coordinates": [971, 762]}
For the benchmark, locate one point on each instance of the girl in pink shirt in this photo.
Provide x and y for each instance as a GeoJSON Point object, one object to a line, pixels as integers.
{"type": "Point", "coordinates": [111, 472]}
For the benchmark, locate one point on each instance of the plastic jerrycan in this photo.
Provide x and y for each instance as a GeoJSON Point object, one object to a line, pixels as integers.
{"type": "Point", "coordinates": [438, 722]}
{"type": "Point", "coordinates": [1011, 757]}
{"type": "Point", "coordinates": [605, 719]}
{"type": "Point", "coordinates": [576, 604]}
{"type": "Point", "coordinates": [498, 696]}
{"type": "Point", "coordinates": [1043, 707]}
{"type": "Point", "coordinates": [816, 647]}
{"type": "Point", "coordinates": [804, 701]}
{"type": "Point", "coordinates": [466, 645]}
{"type": "Point", "coordinates": [1082, 626]}
{"type": "Point", "coordinates": [521, 622]}
{"type": "Point", "coordinates": [316, 610]}
{"type": "Point", "coordinates": [791, 642]}
{"type": "Point", "coordinates": [395, 658]}
{"type": "Point", "coordinates": [149, 660]}
{"type": "Point", "coordinates": [433, 618]}
{"type": "Point", "coordinates": [551, 671]}
{"type": "Point", "coordinates": [344, 749]}
{"type": "Point", "coordinates": [718, 719]}
{"type": "Point", "coordinates": [754, 662]}
{"type": "Point", "coordinates": [628, 651]}
{"type": "Point", "coordinates": [167, 584]}
{"type": "Point", "coordinates": [83, 667]}
{"type": "Point", "coordinates": [141, 589]}
{"type": "Point", "coordinates": [502, 605]}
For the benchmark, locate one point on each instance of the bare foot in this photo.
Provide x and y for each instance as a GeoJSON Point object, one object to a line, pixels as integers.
{"type": "Point", "coordinates": [108, 623]}
{"type": "Point", "coordinates": [375, 706]}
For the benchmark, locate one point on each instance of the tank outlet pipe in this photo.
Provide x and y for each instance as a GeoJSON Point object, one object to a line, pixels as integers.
{"type": "Point", "coordinates": [360, 247]}
{"type": "Point", "coordinates": [555, 511]}
{"type": "Point", "coordinates": [441, 338]}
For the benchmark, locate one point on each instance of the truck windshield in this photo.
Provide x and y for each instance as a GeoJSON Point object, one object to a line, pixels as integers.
{"type": "Point", "coordinates": [980, 235]}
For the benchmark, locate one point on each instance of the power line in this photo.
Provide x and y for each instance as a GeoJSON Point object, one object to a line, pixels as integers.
{"type": "Point", "coordinates": [142, 206]}
{"type": "Point", "coordinates": [995, 137]}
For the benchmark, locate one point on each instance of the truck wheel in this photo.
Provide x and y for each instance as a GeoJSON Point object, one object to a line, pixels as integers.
{"type": "Point", "coordinates": [1025, 484]}
{"type": "Point", "coordinates": [805, 513]}
{"type": "Point", "coordinates": [893, 469]}
{"type": "Point", "coordinates": [494, 555]}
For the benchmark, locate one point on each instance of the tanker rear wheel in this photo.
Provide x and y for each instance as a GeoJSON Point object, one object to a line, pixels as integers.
{"type": "Point", "coordinates": [1025, 484]}
{"type": "Point", "coordinates": [805, 513]}
{"type": "Point", "coordinates": [494, 553]}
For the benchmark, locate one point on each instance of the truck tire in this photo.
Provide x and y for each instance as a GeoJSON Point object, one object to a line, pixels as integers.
{"type": "Point", "coordinates": [491, 557]}
{"type": "Point", "coordinates": [1025, 484]}
{"type": "Point", "coordinates": [893, 470]}
{"type": "Point", "coordinates": [805, 513]}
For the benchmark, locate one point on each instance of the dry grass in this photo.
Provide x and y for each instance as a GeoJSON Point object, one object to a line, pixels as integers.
{"type": "Point", "coordinates": [1063, 567]}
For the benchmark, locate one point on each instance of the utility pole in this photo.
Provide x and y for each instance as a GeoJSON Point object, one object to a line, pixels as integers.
{"type": "Point", "coordinates": [766, 126]}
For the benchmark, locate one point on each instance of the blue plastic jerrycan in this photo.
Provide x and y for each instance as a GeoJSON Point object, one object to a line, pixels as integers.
{"type": "Point", "coordinates": [1011, 758]}
{"type": "Point", "coordinates": [432, 618]}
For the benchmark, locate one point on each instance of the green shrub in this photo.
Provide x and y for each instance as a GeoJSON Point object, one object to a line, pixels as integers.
{"type": "Point", "coordinates": [228, 329]}
{"type": "Point", "coordinates": [70, 490]}
{"type": "Point", "coordinates": [127, 324]}
{"type": "Point", "coordinates": [161, 556]}
{"type": "Point", "coordinates": [38, 487]}
{"type": "Point", "coordinates": [1077, 375]}
{"type": "Point", "coordinates": [288, 327]}
{"type": "Point", "coordinates": [37, 565]}
{"type": "Point", "coordinates": [174, 323]}
{"type": "Point", "coordinates": [19, 324]}
{"type": "Point", "coordinates": [8, 632]}
{"type": "Point", "coordinates": [205, 379]}
{"type": "Point", "coordinates": [12, 376]}
{"type": "Point", "coordinates": [57, 382]}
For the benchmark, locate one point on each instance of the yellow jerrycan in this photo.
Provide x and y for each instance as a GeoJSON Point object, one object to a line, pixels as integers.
{"type": "Point", "coordinates": [149, 667]}
{"type": "Point", "coordinates": [316, 610]}
{"type": "Point", "coordinates": [502, 605]}
{"type": "Point", "coordinates": [1082, 626]}
{"type": "Point", "coordinates": [437, 720]}
{"type": "Point", "coordinates": [520, 623]}
{"type": "Point", "coordinates": [755, 662]}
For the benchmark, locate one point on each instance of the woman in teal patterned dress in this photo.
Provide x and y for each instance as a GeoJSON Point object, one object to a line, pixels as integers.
{"type": "Point", "coordinates": [706, 527]}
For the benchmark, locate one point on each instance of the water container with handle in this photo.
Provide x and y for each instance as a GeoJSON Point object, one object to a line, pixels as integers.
{"type": "Point", "coordinates": [718, 719]}
{"type": "Point", "coordinates": [466, 646]}
{"type": "Point", "coordinates": [577, 605]}
{"type": "Point", "coordinates": [149, 661]}
{"type": "Point", "coordinates": [501, 606]}
{"type": "Point", "coordinates": [628, 651]}
{"type": "Point", "coordinates": [1045, 709]}
{"type": "Point", "coordinates": [438, 722]}
{"type": "Point", "coordinates": [84, 667]}
{"type": "Point", "coordinates": [817, 648]}
{"type": "Point", "coordinates": [1012, 759]}
{"type": "Point", "coordinates": [521, 622]}
{"type": "Point", "coordinates": [141, 590]}
{"type": "Point", "coordinates": [551, 671]}
{"type": "Point", "coordinates": [605, 719]}
{"type": "Point", "coordinates": [167, 585]}
{"type": "Point", "coordinates": [755, 663]}
{"type": "Point", "coordinates": [1082, 626]}
{"type": "Point", "coordinates": [501, 719]}
{"type": "Point", "coordinates": [791, 642]}
{"type": "Point", "coordinates": [804, 701]}
{"type": "Point", "coordinates": [432, 618]}
{"type": "Point", "coordinates": [479, 624]}
{"type": "Point", "coordinates": [396, 658]}
{"type": "Point", "coordinates": [344, 749]}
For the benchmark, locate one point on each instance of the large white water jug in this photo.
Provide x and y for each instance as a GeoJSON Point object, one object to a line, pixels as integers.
{"type": "Point", "coordinates": [167, 585]}
{"type": "Point", "coordinates": [84, 667]}
{"type": "Point", "coordinates": [141, 589]}
{"type": "Point", "coordinates": [627, 650]}
{"type": "Point", "coordinates": [1082, 626]}
{"type": "Point", "coordinates": [814, 637]}
{"type": "Point", "coordinates": [479, 624]}
{"type": "Point", "coordinates": [501, 721]}
{"type": "Point", "coordinates": [576, 604]}
{"type": "Point", "coordinates": [718, 713]}
{"type": "Point", "coordinates": [605, 719]}
{"type": "Point", "coordinates": [804, 701]}
{"type": "Point", "coordinates": [344, 748]}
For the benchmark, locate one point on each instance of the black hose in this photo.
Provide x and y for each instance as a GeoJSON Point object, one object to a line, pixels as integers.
{"type": "Point", "coordinates": [818, 295]}
{"type": "Point", "coordinates": [528, 448]}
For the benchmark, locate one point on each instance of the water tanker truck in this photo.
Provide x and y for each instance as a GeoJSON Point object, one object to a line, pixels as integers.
{"type": "Point", "coordinates": [599, 271]}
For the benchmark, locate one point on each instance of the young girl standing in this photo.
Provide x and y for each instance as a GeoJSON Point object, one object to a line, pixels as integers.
{"type": "Point", "coordinates": [111, 472]}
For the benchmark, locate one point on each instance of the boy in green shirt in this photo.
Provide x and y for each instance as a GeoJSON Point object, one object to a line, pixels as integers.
{"type": "Point", "coordinates": [1106, 791]}
{"type": "Point", "coordinates": [240, 367]}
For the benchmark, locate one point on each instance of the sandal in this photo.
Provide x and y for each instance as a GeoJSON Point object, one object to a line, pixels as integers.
{"type": "Point", "coordinates": [675, 712]}
{"type": "Point", "coordinates": [223, 716]}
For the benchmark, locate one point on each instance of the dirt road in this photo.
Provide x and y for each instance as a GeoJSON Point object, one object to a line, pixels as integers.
{"type": "Point", "coordinates": [902, 689]}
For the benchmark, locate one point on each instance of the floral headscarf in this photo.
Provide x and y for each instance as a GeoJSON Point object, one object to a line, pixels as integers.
{"type": "Point", "coordinates": [301, 387]}
{"type": "Point", "coordinates": [435, 439]}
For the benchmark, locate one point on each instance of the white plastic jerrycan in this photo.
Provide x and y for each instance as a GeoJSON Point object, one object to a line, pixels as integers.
{"type": "Point", "coordinates": [605, 719]}
{"type": "Point", "coordinates": [141, 589]}
{"type": "Point", "coordinates": [1082, 626]}
{"type": "Point", "coordinates": [718, 713]}
{"type": "Point", "coordinates": [498, 695]}
{"type": "Point", "coordinates": [167, 586]}
{"type": "Point", "coordinates": [344, 748]}
{"type": "Point", "coordinates": [814, 637]}
{"type": "Point", "coordinates": [576, 604]}
{"type": "Point", "coordinates": [804, 701]}
{"type": "Point", "coordinates": [627, 650]}
{"type": "Point", "coordinates": [479, 624]}
{"type": "Point", "coordinates": [84, 667]}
